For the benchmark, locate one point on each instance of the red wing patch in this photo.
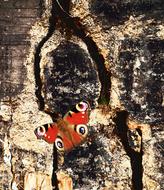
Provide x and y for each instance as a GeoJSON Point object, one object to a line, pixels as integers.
{"type": "Point", "coordinates": [48, 132]}
{"type": "Point", "coordinates": [51, 133]}
{"type": "Point", "coordinates": [77, 118]}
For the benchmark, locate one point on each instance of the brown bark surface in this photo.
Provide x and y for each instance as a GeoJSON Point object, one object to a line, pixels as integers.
{"type": "Point", "coordinates": [54, 54]}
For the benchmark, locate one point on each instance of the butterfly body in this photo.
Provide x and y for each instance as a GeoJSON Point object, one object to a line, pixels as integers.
{"type": "Point", "coordinates": [69, 131]}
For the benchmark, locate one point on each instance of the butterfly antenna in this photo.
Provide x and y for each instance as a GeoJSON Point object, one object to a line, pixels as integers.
{"type": "Point", "coordinates": [63, 8]}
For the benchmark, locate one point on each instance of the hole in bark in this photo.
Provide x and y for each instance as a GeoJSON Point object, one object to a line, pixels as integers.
{"type": "Point", "coordinates": [135, 157]}
{"type": "Point", "coordinates": [79, 30]}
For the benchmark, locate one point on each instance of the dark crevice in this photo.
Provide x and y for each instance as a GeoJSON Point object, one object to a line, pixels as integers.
{"type": "Point", "coordinates": [41, 4]}
{"type": "Point", "coordinates": [78, 29]}
{"type": "Point", "coordinates": [37, 58]}
{"type": "Point", "coordinates": [135, 157]}
{"type": "Point", "coordinates": [54, 180]}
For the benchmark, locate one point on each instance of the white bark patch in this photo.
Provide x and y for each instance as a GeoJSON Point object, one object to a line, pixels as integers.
{"type": "Point", "coordinates": [37, 181]}
{"type": "Point", "coordinates": [7, 153]}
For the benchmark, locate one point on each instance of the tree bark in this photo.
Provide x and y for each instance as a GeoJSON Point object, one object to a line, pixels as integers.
{"type": "Point", "coordinates": [57, 53]}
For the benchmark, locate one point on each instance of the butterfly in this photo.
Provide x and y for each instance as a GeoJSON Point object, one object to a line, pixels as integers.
{"type": "Point", "coordinates": [69, 131]}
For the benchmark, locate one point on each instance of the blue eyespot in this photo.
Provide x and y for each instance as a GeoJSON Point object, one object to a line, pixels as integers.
{"type": "Point", "coordinates": [82, 129]}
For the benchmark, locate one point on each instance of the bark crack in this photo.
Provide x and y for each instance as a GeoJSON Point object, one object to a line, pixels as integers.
{"type": "Point", "coordinates": [135, 157]}
{"type": "Point", "coordinates": [12, 168]}
{"type": "Point", "coordinates": [37, 58]}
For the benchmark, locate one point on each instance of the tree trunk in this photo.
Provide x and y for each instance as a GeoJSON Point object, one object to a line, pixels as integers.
{"type": "Point", "coordinates": [57, 53]}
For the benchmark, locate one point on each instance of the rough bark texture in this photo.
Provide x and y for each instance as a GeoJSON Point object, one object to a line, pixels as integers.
{"type": "Point", "coordinates": [56, 53]}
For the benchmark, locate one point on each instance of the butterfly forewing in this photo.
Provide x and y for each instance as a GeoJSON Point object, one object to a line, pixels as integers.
{"type": "Point", "coordinates": [48, 132]}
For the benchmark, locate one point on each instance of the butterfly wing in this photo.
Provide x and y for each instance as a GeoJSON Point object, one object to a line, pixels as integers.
{"type": "Point", "coordinates": [79, 114]}
{"type": "Point", "coordinates": [68, 132]}
{"type": "Point", "coordinates": [76, 128]}
{"type": "Point", "coordinates": [48, 132]}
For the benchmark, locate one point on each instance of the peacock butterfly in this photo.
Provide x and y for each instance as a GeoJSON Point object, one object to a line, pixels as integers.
{"type": "Point", "coordinates": [69, 131]}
